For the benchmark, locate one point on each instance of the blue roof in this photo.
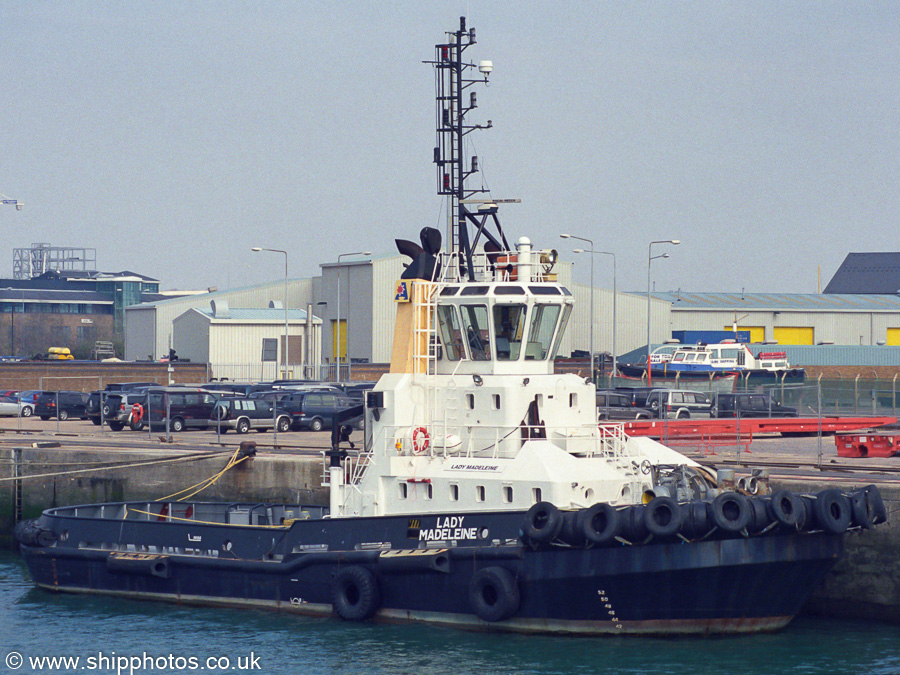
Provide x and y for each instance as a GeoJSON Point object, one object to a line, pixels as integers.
{"type": "Point", "coordinates": [801, 302]}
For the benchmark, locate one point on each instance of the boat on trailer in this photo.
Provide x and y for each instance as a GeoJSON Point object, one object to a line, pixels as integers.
{"type": "Point", "coordinates": [729, 359]}
{"type": "Point", "coordinates": [484, 495]}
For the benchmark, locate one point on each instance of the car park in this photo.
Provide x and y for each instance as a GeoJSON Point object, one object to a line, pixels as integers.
{"type": "Point", "coordinates": [677, 404]}
{"type": "Point", "coordinates": [243, 414]}
{"type": "Point", "coordinates": [749, 404]}
{"type": "Point", "coordinates": [61, 404]}
{"type": "Point", "coordinates": [12, 406]}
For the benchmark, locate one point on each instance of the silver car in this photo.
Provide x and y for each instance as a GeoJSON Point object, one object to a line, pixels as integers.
{"type": "Point", "coordinates": [15, 407]}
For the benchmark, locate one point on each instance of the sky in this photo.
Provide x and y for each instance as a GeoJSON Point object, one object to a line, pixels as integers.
{"type": "Point", "coordinates": [174, 136]}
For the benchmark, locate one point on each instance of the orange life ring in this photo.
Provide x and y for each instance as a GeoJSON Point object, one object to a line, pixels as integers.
{"type": "Point", "coordinates": [420, 440]}
{"type": "Point", "coordinates": [137, 412]}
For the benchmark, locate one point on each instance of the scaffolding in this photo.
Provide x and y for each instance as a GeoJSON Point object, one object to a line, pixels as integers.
{"type": "Point", "coordinates": [30, 263]}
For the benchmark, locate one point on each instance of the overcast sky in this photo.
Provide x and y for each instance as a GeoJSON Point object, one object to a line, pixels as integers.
{"type": "Point", "coordinates": [174, 136]}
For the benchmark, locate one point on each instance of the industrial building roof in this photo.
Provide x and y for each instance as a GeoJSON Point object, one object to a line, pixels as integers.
{"type": "Point", "coordinates": [867, 273]}
{"type": "Point", "coordinates": [801, 302]}
{"type": "Point", "coordinates": [262, 314]}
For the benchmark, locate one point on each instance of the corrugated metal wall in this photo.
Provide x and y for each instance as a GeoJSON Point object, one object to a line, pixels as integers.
{"type": "Point", "coordinates": [385, 274]}
{"type": "Point", "coordinates": [137, 344]}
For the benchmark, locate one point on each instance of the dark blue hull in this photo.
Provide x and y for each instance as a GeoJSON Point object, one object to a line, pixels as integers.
{"type": "Point", "coordinates": [668, 374]}
{"type": "Point", "coordinates": [735, 584]}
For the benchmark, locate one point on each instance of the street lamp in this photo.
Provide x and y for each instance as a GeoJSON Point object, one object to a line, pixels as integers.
{"type": "Point", "coordinates": [591, 242]}
{"type": "Point", "coordinates": [12, 202]}
{"type": "Point", "coordinates": [650, 258]}
{"type": "Point", "coordinates": [257, 249]}
{"type": "Point", "coordinates": [338, 346]}
{"type": "Point", "coordinates": [615, 367]}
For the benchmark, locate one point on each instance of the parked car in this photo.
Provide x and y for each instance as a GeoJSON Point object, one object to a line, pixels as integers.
{"type": "Point", "coordinates": [678, 404]}
{"type": "Point", "coordinates": [243, 414]}
{"type": "Point", "coordinates": [638, 395]}
{"type": "Point", "coordinates": [613, 405]}
{"type": "Point", "coordinates": [96, 399]}
{"type": "Point", "coordinates": [243, 388]}
{"type": "Point", "coordinates": [189, 408]}
{"type": "Point", "coordinates": [749, 405]}
{"type": "Point", "coordinates": [12, 406]}
{"type": "Point", "coordinates": [314, 409]}
{"type": "Point", "coordinates": [61, 404]}
{"type": "Point", "coordinates": [118, 410]}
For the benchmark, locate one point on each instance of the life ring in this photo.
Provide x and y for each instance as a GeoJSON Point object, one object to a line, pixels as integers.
{"type": "Point", "coordinates": [354, 594]}
{"type": "Point", "coordinates": [137, 413]}
{"type": "Point", "coordinates": [421, 440]}
{"type": "Point", "coordinates": [493, 594]}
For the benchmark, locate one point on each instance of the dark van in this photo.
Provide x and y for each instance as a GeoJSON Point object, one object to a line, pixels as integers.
{"type": "Point", "coordinates": [188, 408]}
{"type": "Point", "coordinates": [749, 405]}
{"type": "Point", "coordinates": [314, 409]}
{"type": "Point", "coordinates": [61, 404]}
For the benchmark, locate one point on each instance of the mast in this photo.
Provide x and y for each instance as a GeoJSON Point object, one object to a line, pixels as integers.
{"type": "Point", "coordinates": [451, 81]}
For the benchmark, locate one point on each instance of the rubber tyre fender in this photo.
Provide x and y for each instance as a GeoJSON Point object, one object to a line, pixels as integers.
{"type": "Point", "coordinates": [730, 511]}
{"type": "Point", "coordinates": [759, 516]}
{"type": "Point", "coordinates": [597, 524]}
{"type": "Point", "coordinates": [543, 522]}
{"type": "Point", "coordinates": [663, 517]}
{"type": "Point", "coordinates": [354, 594]}
{"type": "Point", "coordinates": [876, 504]}
{"type": "Point", "coordinates": [494, 594]}
{"type": "Point", "coordinates": [695, 522]}
{"type": "Point", "coordinates": [785, 507]}
{"type": "Point", "coordinates": [859, 510]}
{"type": "Point", "coordinates": [833, 511]}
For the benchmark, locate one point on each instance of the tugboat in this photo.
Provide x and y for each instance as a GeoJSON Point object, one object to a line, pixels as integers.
{"type": "Point", "coordinates": [485, 495]}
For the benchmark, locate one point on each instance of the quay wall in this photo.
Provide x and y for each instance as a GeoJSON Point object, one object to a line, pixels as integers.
{"type": "Point", "coordinates": [864, 584]}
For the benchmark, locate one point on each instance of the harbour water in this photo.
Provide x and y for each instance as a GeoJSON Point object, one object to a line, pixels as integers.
{"type": "Point", "coordinates": [109, 635]}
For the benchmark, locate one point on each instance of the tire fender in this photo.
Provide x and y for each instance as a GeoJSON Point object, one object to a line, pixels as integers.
{"type": "Point", "coordinates": [785, 507]}
{"type": "Point", "coordinates": [597, 524]}
{"type": "Point", "coordinates": [354, 594]}
{"type": "Point", "coordinates": [543, 522]}
{"type": "Point", "coordinates": [494, 594]}
{"type": "Point", "coordinates": [663, 517]}
{"type": "Point", "coordinates": [833, 511]}
{"type": "Point", "coordinates": [730, 511]}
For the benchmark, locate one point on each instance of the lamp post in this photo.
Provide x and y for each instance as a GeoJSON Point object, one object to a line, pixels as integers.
{"type": "Point", "coordinates": [257, 249]}
{"type": "Point", "coordinates": [338, 345]}
{"type": "Point", "coordinates": [12, 202]}
{"type": "Point", "coordinates": [650, 258]}
{"type": "Point", "coordinates": [615, 367]}
{"type": "Point", "coordinates": [591, 242]}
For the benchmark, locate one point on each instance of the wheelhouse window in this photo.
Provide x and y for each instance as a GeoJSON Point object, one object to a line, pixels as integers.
{"type": "Point", "coordinates": [509, 327]}
{"type": "Point", "coordinates": [477, 330]}
{"type": "Point", "coordinates": [450, 334]}
{"type": "Point", "coordinates": [540, 334]}
{"type": "Point", "coordinates": [567, 311]}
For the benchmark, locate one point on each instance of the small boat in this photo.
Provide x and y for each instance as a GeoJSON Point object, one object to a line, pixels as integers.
{"type": "Point", "coordinates": [710, 361]}
{"type": "Point", "coordinates": [484, 495]}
